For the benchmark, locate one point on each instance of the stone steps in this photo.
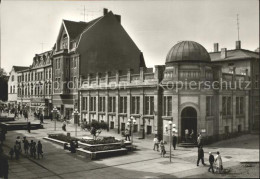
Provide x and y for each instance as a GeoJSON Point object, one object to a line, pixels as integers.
{"type": "Point", "coordinates": [187, 145]}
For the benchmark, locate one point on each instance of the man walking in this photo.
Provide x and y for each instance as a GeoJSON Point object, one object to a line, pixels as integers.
{"type": "Point", "coordinates": [156, 143]}
{"type": "Point", "coordinates": [174, 142]}
{"type": "Point", "coordinates": [200, 156]}
{"type": "Point", "coordinates": [211, 162]}
{"type": "Point", "coordinates": [25, 145]}
{"type": "Point", "coordinates": [39, 149]}
{"type": "Point", "coordinates": [4, 167]}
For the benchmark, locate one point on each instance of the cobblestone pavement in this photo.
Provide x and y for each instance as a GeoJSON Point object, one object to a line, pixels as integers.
{"type": "Point", "coordinates": [142, 163]}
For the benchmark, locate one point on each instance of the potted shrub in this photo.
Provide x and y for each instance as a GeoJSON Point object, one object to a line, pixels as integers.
{"type": "Point", "coordinates": [95, 127]}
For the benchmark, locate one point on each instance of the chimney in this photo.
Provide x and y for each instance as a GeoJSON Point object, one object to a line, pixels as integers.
{"type": "Point", "coordinates": [238, 44]}
{"type": "Point", "coordinates": [105, 10]}
{"type": "Point", "coordinates": [118, 18]}
{"type": "Point", "coordinates": [223, 53]}
{"type": "Point", "coordinates": [215, 47]}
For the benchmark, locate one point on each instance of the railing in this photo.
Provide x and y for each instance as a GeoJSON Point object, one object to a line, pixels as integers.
{"type": "Point", "coordinates": [102, 80]}
{"type": "Point", "coordinates": [148, 76]}
{"type": "Point", "coordinates": [93, 81]}
{"type": "Point", "coordinates": [123, 78]}
{"type": "Point", "coordinates": [112, 79]}
{"type": "Point", "coordinates": [135, 77]}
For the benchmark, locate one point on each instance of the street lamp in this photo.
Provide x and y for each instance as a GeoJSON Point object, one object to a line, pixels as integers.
{"type": "Point", "coordinates": [131, 123]}
{"type": "Point", "coordinates": [54, 112]}
{"type": "Point", "coordinates": [172, 129]}
{"type": "Point", "coordinates": [75, 114]}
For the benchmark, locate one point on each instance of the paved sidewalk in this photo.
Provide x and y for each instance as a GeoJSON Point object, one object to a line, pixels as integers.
{"type": "Point", "coordinates": [143, 163]}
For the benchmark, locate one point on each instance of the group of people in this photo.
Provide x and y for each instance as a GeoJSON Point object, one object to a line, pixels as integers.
{"type": "Point", "coordinates": [29, 148]}
{"type": "Point", "coordinates": [159, 146]}
{"type": "Point", "coordinates": [212, 160]}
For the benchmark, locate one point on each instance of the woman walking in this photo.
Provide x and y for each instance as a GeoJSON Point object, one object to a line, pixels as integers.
{"type": "Point", "coordinates": [218, 162]}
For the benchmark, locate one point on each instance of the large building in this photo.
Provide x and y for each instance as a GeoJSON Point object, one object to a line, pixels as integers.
{"type": "Point", "coordinates": [189, 90]}
{"type": "Point", "coordinates": [13, 85]}
{"type": "Point", "coordinates": [35, 85]}
{"type": "Point", "coordinates": [242, 62]}
{"type": "Point", "coordinates": [84, 48]}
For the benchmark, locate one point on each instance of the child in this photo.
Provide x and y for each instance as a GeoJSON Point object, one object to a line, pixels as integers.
{"type": "Point", "coordinates": [11, 153]}
{"type": "Point", "coordinates": [163, 152]}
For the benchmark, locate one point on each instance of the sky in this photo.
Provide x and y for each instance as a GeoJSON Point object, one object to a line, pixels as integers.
{"type": "Point", "coordinates": [154, 26]}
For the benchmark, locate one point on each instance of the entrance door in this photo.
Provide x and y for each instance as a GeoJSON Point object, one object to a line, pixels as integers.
{"type": "Point", "coordinates": [188, 121]}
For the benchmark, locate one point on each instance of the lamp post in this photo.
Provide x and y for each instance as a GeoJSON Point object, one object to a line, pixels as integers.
{"type": "Point", "coordinates": [172, 128]}
{"type": "Point", "coordinates": [54, 112]}
{"type": "Point", "coordinates": [75, 114]}
{"type": "Point", "coordinates": [131, 123]}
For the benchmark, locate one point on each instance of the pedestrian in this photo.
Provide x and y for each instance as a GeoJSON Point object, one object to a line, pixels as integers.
{"type": "Point", "coordinates": [174, 142]}
{"type": "Point", "coordinates": [31, 148]}
{"type": "Point", "coordinates": [72, 147]}
{"type": "Point", "coordinates": [4, 166]}
{"type": "Point", "coordinates": [25, 145]}
{"type": "Point", "coordinates": [218, 162]}
{"type": "Point", "coordinates": [17, 150]}
{"type": "Point", "coordinates": [192, 136]}
{"type": "Point", "coordinates": [156, 143]}
{"type": "Point", "coordinates": [127, 134]}
{"type": "Point", "coordinates": [39, 149]}
{"type": "Point", "coordinates": [211, 162]}
{"type": "Point", "coordinates": [64, 125]}
{"type": "Point", "coordinates": [163, 151]}
{"type": "Point", "coordinates": [200, 156]}
{"type": "Point", "coordinates": [41, 118]}
{"type": "Point", "coordinates": [186, 134]}
{"type": "Point", "coordinates": [18, 140]}
{"type": "Point", "coordinates": [11, 153]}
{"type": "Point", "coordinates": [34, 150]}
{"type": "Point", "coordinates": [199, 140]}
{"type": "Point", "coordinates": [21, 113]}
{"type": "Point", "coordinates": [29, 127]}
{"type": "Point", "coordinates": [26, 115]}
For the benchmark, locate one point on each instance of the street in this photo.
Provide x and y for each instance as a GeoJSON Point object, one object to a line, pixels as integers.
{"type": "Point", "coordinates": [142, 163]}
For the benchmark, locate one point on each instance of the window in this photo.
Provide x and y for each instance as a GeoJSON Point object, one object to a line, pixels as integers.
{"type": "Point", "coordinates": [111, 104]}
{"type": "Point", "coordinates": [167, 106]}
{"type": "Point", "coordinates": [46, 74]}
{"type": "Point", "coordinates": [123, 105]}
{"type": "Point", "coordinates": [50, 89]}
{"type": "Point", "coordinates": [31, 90]}
{"type": "Point", "coordinates": [75, 82]}
{"type": "Point", "coordinates": [12, 77]}
{"type": "Point", "coordinates": [11, 89]}
{"type": "Point", "coordinates": [84, 103]}
{"type": "Point", "coordinates": [92, 103]}
{"type": "Point", "coordinates": [135, 107]}
{"type": "Point", "coordinates": [101, 104]}
{"type": "Point", "coordinates": [209, 105]}
{"type": "Point", "coordinates": [239, 105]}
{"type": "Point", "coordinates": [50, 73]}
{"type": "Point", "coordinates": [226, 105]}
{"type": "Point", "coordinates": [149, 105]}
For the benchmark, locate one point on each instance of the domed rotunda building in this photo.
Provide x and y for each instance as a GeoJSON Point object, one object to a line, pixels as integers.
{"type": "Point", "coordinates": [189, 90]}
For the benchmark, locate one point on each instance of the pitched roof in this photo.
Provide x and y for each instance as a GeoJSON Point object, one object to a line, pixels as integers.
{"type": "Point", "coordinates": [19, 68]}
{"type": "Point", "coordinates": [236, 54]}
{"type": "Point", "coordinates": [76, 28]}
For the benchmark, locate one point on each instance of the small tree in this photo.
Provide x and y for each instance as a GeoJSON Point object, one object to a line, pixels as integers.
{"type": "Point", "coordinates": [95, 127]}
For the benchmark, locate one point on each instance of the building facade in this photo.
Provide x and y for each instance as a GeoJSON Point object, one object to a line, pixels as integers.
{"type": "Point", "coordinates": [84, 48]}
{"type": "Point", "coordinates": [13, 85]}
{"type": "Point", "coordinates": [189, 90]}
{"type": "Point", "coordinates": [242, 62]}
{"type": "Point", "coordinates": [35, 85]}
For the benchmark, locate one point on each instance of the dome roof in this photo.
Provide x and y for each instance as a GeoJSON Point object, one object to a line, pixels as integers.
{"type": "Point", "coordinates": [187, 51]}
